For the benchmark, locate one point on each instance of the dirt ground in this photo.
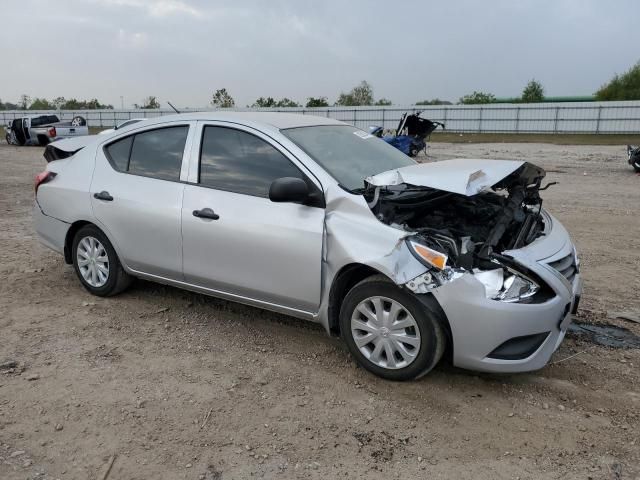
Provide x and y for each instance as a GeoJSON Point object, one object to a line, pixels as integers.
{"type": "Point", "coordinates": [169, 384]}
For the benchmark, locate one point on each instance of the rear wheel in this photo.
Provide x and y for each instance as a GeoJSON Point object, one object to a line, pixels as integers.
{"type": "Point", "coordinates": [389, 331]}
{"type": "Point", "coordinates": [96, 263]}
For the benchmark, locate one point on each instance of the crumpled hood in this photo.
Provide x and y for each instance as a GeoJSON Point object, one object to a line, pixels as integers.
{"type": "Point", "coordinates": [461, 175]}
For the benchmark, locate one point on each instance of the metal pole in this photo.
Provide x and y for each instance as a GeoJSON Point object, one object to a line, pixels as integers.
{"type": "Point", "coordinates": [480, 121]}
{"type": "Point", "coordinates": [383, 110]}
{"type": "Point", "coordinates": [555, 120]}
{"type": "Point", "coordinates": [518, 119]}
{"type": "Point", "coordinates": [598, 121]}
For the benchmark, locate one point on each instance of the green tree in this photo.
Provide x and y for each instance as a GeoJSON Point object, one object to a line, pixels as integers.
{"type": "Point", "coordinates": [317, 102]}
{"type": "Point", "coordinates": [41, 104]}
{"type": "Point", "coordinates": [622, 87]}
{"type": "Point", "coordinates": [384, 102]}
{"type": "Point", "coordinates": [264, 102]}
{"type": "Point", "coordinates": [533, 92]}
{"type": "Point", "coordinates": [24, 102]}
{"type": "Point", "coordinates": [435, 101]}
{"type": "Point", "coordinates": [58, 102]}
{"type": "Point", "coordinates": [94, 104]}
{"type": "Point", "coordinates": [222, 99]}
{"type": "Point", "coordinates": [477, 98]}
{"type": "Point", "coordinates": [8, 106]}
{"type": "Point", "coordinates": [150, 102]}
{"type": "Point", "coordinates": [361, 94]}
{"type": "Point", "coordinates": [285, 102]}
{"type": "Point", "coordinates": [270, 102]}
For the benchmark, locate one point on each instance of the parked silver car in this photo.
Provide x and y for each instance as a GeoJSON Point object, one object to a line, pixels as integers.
{"type": "Point", "coordinates": [316, 219]}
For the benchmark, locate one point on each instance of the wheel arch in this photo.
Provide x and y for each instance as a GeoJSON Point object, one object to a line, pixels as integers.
{"type": "Point", "coordinates": [352, 274]}
{"type": "Point", "coordinates": [68, 240]}
{"type": "Point", "coordinates": [343, 281]}
{"type": "Point", "coordinates": [71, 233]}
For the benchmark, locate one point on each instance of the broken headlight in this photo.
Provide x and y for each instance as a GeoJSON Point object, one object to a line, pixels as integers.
{"type": "Point", "coordinates": [427, 256]}
{"type": "Point", "coordinates": [507, 285]}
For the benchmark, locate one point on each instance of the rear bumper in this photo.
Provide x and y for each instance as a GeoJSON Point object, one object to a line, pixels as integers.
{"type": "Point", "coordinates": [52, 232]}
{"type": "Point", "coordinates": [480, 326]}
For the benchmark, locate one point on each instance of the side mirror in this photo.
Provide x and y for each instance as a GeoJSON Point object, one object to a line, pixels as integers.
{"type": "Point", "coordinates": [289, 189]}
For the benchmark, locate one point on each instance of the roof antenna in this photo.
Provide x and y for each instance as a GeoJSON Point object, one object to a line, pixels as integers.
{"type": "Point", "coordinates": [174, 108]}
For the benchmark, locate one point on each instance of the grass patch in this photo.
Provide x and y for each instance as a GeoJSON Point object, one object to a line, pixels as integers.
{"type": "Point", "coordinates": [554, 138]}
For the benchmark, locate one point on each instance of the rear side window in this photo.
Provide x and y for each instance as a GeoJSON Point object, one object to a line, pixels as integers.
{"type": "Point", "coordinates": [236, 161]}
{"type": "Point", "coordinates": [154, 153]}
{"type": "Point", "coordinates": [118, 153]}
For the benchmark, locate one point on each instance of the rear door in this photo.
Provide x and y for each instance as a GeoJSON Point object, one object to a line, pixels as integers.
{"type": "Point", "coordinates": [136, 194]}
{"type": "Point", "coordinates": [255, 248]}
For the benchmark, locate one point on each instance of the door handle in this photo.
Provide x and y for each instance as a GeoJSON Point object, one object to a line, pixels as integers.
{"type": "Point", "coordinates": [103, 195]}
{"type": "Point", "coordinates": [206, 213]}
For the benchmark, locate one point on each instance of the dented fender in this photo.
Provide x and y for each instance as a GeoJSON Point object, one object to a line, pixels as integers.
{"type": "Point", "coordinates": [353, 235]}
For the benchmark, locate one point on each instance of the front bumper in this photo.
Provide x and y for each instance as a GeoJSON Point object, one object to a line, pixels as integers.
{"type": "Point", "coordinates": [480, 325]}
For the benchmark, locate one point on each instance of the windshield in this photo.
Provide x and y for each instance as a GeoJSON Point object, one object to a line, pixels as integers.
{"type": "Point", "coordinates": [347, 153]}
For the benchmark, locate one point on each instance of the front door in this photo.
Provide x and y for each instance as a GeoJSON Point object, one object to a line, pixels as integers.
{"type": "Point", "coordinates": [237, 241]}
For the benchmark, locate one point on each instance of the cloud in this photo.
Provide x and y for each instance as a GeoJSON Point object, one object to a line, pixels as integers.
{"type": "Point", "coordinates": [137, 40]}
{"type": "Point", "coordinates": [183, 50]}
{"type": "Point", "coordinates": [159, 8]}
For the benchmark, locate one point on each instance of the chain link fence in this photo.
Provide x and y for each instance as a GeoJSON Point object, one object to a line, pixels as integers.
{"type": "Point", "coordinates": [582, 117]}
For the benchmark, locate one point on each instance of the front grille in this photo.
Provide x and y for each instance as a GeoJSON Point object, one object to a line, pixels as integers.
{"type": "Point", "coordinates": [566, 266]}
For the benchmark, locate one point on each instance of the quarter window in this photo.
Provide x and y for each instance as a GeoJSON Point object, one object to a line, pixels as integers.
{"type": "Point", "coordinates": [118, 153]}
{"type": "Point", "coordinates": [154, 153]}
{"type": "Point", "coordinates": [237, 161]}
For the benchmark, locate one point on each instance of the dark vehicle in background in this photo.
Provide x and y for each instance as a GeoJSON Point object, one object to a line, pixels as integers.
{"type": "Point", "coordinates": [43, 129]}
{"type": "Point", "coordinates": [633, 155]}
{"type": "Point", "coordinates": [411, 135]}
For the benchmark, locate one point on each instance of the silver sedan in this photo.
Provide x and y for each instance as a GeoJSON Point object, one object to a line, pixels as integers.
{"type": "Point", "coordinates": [317, 219]}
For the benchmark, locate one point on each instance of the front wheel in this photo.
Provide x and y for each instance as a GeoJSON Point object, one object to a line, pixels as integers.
{"type": "Point", "coordinates": [96, 263]}
{"type": "Point", "coordinates": [389, 331]}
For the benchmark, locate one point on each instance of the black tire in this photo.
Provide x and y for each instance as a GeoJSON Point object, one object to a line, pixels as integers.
{"type": "Point", "coordinates": [414, 152]}
{"type": "Point", "coordinates": [426, 313]}
{"type": "Point", "coordinates": [636, 166]}
{"type": "Point", "coordinates": [78, 121]}
{"type": "Point", "coordinates": [117, 279]}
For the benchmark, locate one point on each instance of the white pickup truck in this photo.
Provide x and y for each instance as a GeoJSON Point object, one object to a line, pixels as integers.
{"type": "Point", "coordinates": [43, 129]}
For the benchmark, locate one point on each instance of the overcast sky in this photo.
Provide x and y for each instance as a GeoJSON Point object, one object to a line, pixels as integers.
{"type": "Point", "coordinates": [183, 50]}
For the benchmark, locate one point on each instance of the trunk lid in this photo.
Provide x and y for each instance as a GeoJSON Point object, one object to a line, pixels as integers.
{"type": "Point", "coordinates": [67, 147]}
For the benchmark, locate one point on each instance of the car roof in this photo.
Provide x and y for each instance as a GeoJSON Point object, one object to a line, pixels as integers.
{"type": "Point", "coordinates": [279, 120]}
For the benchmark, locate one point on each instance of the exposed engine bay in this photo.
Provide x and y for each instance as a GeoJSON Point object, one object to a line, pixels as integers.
{"type": "Point", "coordinates": [469, 230]}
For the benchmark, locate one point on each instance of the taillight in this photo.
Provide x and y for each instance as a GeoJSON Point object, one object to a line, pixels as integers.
{"type": "Point", "coordinates": [43, 177]}
{"type": "Point", "coordinates": [52, 132]}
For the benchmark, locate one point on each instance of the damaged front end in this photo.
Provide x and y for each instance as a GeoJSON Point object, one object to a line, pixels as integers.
{"type": "Point", "coordinates": [463, 215]}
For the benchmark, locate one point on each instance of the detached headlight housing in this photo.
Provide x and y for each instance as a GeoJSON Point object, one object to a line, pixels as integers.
{"type": "Point", "coordinates": [427, 256]}
{"type": "Point", "coordinates": [507, 285]}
